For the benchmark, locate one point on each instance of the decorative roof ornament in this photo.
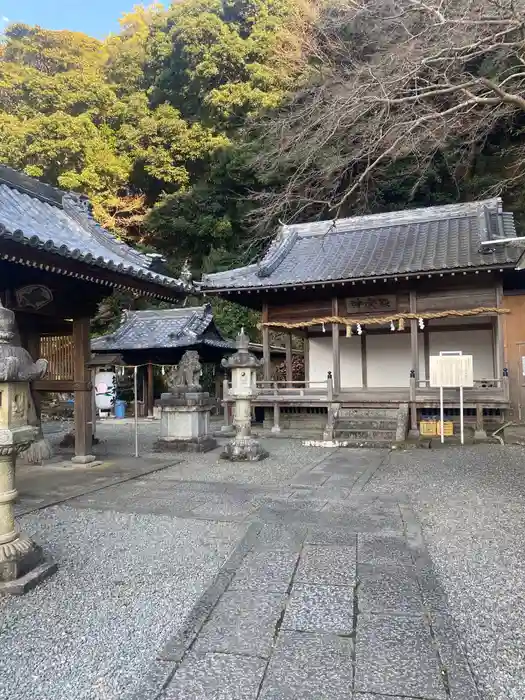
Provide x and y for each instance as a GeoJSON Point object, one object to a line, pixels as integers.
{"type": "Point", "coordinates": [185, 275]}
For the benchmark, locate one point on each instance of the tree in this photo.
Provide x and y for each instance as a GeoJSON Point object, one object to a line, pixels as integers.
{"type": "Point", "coordinates": [404, 82]}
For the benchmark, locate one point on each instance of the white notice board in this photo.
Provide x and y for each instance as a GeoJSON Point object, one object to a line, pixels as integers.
{"type": "Point", "coordinates": [449, 371]}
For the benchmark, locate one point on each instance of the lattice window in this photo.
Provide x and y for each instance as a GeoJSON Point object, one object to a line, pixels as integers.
{"type": "Point", "coordinates": [58, 351]}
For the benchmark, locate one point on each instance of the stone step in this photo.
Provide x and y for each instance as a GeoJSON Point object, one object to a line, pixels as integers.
{"type": "Point", "coordinates": [355, 434]}
{"type": "Point", "coordinates": [344, 442]}
{"type": "Point", "coordinates": [366, 423]}
{"type": "Point", "coordinates": [377, 412]}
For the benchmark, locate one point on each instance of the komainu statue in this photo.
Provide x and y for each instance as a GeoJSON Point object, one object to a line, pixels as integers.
{"type": "Point", "coordinates": [186, 375]}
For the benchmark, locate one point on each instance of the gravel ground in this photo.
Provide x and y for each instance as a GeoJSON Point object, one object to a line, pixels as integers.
{"type": "Point", "coordinates": [471, 505]}
{"type": "Point", "coordinates": [125, 583]}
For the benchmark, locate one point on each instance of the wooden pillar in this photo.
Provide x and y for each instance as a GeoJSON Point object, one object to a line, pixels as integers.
{"type": "Point", "coordinates": [499, 336]}
{"type": "Point", "coordinates": [364, 368]}
{"type": "Point", "coordinates": [266, 345]}
{"type": "Point", "coordinates": [289, 357]}
{"type": "Point", "coordinates": [426, 352]}
{"type": "Point", "coordinates": [335, 348]}
{"type": "Point", "coordinates": [479, 433]}
{"type": "Point", "coordinates": [33, 348]}
{"type": "Point", "coordinates": [276, 427]}
{"type": "Point", "coordinates": [150, 390]}
{"type": "Point", "coordinates": [306, 356]}
{"type": "Point", "coordinates": [83, 391]}
{"type": "Point", "coordinates": [414, 375]}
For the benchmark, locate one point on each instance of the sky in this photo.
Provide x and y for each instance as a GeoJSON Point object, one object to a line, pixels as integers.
{"type": "Point", "coordinates": [94, 17]}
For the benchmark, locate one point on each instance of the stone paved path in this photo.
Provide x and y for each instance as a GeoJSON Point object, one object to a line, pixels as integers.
{"type": "Point", "coordinates": [327, 592]}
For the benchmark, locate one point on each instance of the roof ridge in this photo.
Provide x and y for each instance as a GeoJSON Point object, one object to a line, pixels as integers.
{"type": "Point", "coordinates": [31, 186]}
{"type": "Point", "coordinates": [394, 217]}
{"type": "Point", "coordinates": [172, 310]}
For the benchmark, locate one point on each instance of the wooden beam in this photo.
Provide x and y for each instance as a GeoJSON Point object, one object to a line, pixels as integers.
{"type": "Point", "coordinates": [289, 357]}
{"type": "Point", "coordinates": [82, 387]}
{"type": "Point", "coordinates": [364, 367]}
{"type": "Point", "coordinates": [336, 354]}
{"type": "Point", "coordinates": [266, 345]}
{"type": "Point", "coordinates": [54, 385]}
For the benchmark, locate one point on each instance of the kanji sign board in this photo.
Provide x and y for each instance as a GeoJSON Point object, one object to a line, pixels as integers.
{"type": "Point", "coordinates": [451, 371]}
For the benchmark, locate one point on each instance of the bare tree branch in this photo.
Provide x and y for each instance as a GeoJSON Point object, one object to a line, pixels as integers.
{"type": "Point", "coordinates": [391, 80]}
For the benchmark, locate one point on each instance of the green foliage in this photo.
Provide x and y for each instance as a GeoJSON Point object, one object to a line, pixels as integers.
{"type": "Point", "coordinates": [160, 125]}
{"type": "Point", "coordinates": [230, 318]}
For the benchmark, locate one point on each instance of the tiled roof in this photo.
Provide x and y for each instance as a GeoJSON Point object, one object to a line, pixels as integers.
{"type": "Point", "coordinates": [380, 245]}
{"type": "Point", "coordinates": [43, 217]}
{"type": "Point", "coordinates": [163, 328]}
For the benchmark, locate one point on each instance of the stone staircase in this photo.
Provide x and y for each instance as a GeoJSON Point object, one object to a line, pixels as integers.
{"type": "Point", "coordinates": [370, 427]}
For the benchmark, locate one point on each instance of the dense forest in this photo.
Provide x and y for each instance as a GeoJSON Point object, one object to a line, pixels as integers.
{"type": "Point", "coordinates": [201, 125]}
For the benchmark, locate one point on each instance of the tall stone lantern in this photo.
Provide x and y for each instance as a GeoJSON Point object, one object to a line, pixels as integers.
{"type": "Point", "coordinates": [243, 366]}
{"type": "Point", "coordinates": [22, 563]}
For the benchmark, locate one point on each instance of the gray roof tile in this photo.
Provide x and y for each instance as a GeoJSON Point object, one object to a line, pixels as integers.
{"type": "Point", "coordinates": [41, 216]}
{"type": "Point", "coordinates": [380, 245]}
{"type": "Point", "coordinates": [163, 328]}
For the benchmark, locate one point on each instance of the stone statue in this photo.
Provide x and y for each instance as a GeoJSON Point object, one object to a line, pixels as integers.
{"type": "Point", "coordinates": [187, 373]}
{"type": "Point", "coordinates": [16, 364]}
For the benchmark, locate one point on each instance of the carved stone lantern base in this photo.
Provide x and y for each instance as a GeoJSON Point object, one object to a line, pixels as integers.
{"type": "Point", "coordinates": [22, 566]}
{"type": "Point", "coordinates": [22, 562]}
{"type": "Point", "coordinates": [244, 449]}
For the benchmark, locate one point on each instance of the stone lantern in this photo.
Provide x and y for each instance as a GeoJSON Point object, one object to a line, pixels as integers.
{"type": "Point", "coordinates": [243, 366]}
{"type": "Point", "coordinates": [22, 564]}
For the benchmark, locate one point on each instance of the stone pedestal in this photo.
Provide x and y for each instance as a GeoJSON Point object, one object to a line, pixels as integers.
{"type": "Point", "coordinates": [185, 421]}
{"type": "Point", "coordinates": [22, 562]}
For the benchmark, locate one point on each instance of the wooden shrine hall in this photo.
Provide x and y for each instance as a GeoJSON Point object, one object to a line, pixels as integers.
{"type": "Point", "coordinates": [374, 297]}
{"type": "Point", "coordinates": [56, 265]}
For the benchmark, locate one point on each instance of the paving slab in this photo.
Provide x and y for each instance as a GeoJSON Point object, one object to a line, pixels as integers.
{"type": "Point", "coordinates": [281, 536]}
{"type": "Point", "coordinates": [216, 677]}
{"type": "Point", "coordinates": [309, 667]}
{"type": "Point", "coordinates": [266, 571]}
{"type": "Point", "coordinates": [395, 656]}
{"type": "Point", "coordinates": [383, 590]}
{"type": "Point", "coordinates": [244, 623]}
{"type": "Point", "coordinates": [381, 550]}
{"type": "Point", "coordinates": [328, 565]}
{"type": "Point", "coordinates": [320, 609]}
{"type": "Point", "coordinates": [331, 535]}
